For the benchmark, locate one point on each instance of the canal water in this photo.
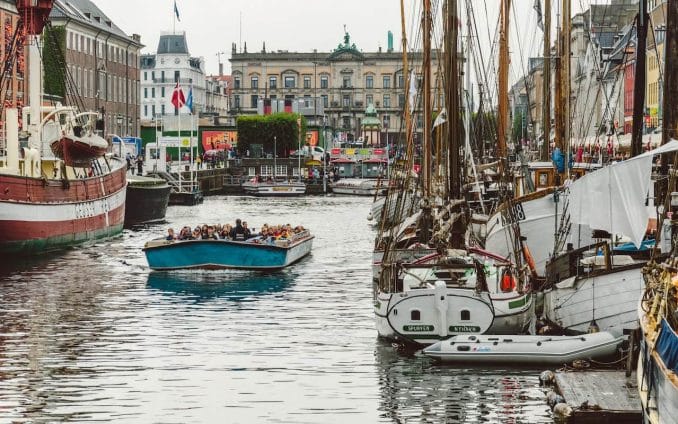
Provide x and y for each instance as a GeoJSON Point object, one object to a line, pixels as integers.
{"type": "Point", "coordinates": [91, 335]}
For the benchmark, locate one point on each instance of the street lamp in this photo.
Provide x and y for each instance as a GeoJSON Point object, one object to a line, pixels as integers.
{"type": "Point", "coordinates": [324, 155]}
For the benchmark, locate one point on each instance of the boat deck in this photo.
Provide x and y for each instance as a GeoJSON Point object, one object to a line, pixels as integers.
{"type": "Point", "coordinates": [601, 397]}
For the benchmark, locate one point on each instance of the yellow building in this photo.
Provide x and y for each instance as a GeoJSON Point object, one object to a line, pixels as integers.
{"type": "Point", "coordinates": [655, 62]}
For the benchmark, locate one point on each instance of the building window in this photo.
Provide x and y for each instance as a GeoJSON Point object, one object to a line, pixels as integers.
{"type": "Point", "coordinates": [145, 92]}
{"type": "Point", "coordinates": [387, 82]}
{"type": "Point", "coordinates": [162, 76]}
{"type": "Point", "coordinates": [307, 82]}
{"type": "Point", "coordinates": [236, 101]}
{"type": "Point", "coordinates": [346, 101]}
{"type": "Point", "coordinates": [145, 110]}
{"type": "Point", "coordinates": [254, 82]}
{"type": "Point", "coordinates": [369, 81]}
{"type": "Point", "coordinates": [273, 82]}
{"type": "Point", "coordinates": [162, 109]}
{"type": "Point", "coordinates": [152, 92]}
{"type": "Point", "coordinates": [386, 121]}
{"type": "Point", "coordinates": [153, 75]}
{"type": "Point", "coordinates": [253, 100]}
{"type": "Point", "coordinates": [346, 122]}
{"type": "Point", "coordinates": [369, 99]}
{"type": "Point", "coordinates": [266, 170]}
{"type": "Point", "coordinates": [346, 82]}
{"type": "Point", "coordinates": [153, 109]}
{"type": "Point", "coordinates": [289, 82]}
{"type": "Point", "coordinates": [251, 171]}
{"type": "Point", "coordinates": [324, 81]}
{"type": "Point", "coordinates": [177, 76]}
{"type": "Point", "coordinates": [387, 100]}
{"type": "Point", "coordinates": [162, 92]}
{"type": "Point", "coordinates": [145, 76]}
{"type": "Point", "coordinates": [401, 100]}
{"type": "Point", "coordinates": [326, 100]}
{"type": "Point", "coordinates": [401, 81]}
{"type": "Point", "coordinates": [236, 83]}
{"type": "Point", "coordinates": [281, 170]}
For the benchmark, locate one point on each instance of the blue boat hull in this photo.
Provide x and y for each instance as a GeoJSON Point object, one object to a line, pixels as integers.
{"type": "Point", "coordinates": [224, 254]}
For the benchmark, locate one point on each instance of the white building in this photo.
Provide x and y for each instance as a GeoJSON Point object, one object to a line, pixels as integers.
{"type": "Point", "coordinates": [161, 71]}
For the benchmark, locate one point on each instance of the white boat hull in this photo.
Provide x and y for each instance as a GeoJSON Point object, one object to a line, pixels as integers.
{"type": "Point", "coordinates": [274, 189]}
{"type": "Point", "coordinates": [439, 314]}
{"type": "Point", "coordinates": [611, 299]}
{"type": "Point", "coordinates": [537, 219]}
{"type": "Point", "coordinates": [549, 350]}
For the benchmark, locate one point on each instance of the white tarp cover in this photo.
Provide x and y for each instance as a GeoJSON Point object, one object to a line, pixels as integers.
{"type": "Point", "coordinates": [613, 198]}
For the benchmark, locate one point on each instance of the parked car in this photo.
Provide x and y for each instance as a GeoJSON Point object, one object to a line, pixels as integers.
{"type": "Point", "coordinates": [316, 152]}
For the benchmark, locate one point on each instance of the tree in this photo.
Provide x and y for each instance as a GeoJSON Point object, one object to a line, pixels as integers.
{"type": "Point", "coordinates": [54, 46]}
{"type": "Point", "coordinates": [261, 129]}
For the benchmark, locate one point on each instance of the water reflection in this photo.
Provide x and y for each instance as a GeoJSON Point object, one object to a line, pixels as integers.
{"type": "Point", "coordinates": [234, 286]}
{"type": "Point", "coordinates": [413, 387]}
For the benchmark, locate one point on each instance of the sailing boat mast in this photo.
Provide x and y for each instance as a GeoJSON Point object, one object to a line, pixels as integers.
{"type": "Point", "coordinates": [503, 83]}
{"type": "Point", "coordinates": [639, 80]}
{"type": "Point", "coordinates": [546, 99]}
{"type": "Point", "coordinates": [670, 120]}
{"type": "Point", "coordinates": [426, 156]}
{"type": "Point", "coordinates": [452, 100]}
{"type": "Point", "coordinates": [566, 116]}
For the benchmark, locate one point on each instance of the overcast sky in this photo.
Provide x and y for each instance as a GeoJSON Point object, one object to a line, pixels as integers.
{"type": "Point", "coordinates": [300, 25]}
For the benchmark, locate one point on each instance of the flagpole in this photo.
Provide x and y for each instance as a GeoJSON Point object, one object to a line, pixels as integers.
{"type": "Point", "coordinates": [174, 18]}
{"type": "Point", "coordinates": [190, 111]}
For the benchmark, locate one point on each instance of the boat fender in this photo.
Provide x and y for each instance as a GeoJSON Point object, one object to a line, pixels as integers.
{"type": "Point", "coordinates": [547, 377]}
{"type": "Point", "coordinates": [508, 282]}
{"type": "Point", "coordinates": [553, 398]}
{"type": "Point", "coordinates": [562, 410]}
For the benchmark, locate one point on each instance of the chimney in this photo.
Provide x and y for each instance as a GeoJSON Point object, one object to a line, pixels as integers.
{"type": "Point", "coordinates": [221, 69]}
{"type": "Point", "coordinates": [263, 49]}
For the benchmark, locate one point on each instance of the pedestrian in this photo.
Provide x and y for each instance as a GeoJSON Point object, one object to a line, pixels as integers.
{"type": "Point", "coordinates": [140, 164]}
{"type": "Point", "coordinates": [128, 158]}
{"type": "Point", "coordinates": [198, 162]}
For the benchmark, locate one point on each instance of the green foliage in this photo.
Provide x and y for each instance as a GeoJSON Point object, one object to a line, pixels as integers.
{"type": "Point", "coordinates": [54, 46]}
{"type": "Point", "coordinates": [517, 127]}
{"type": "Point", "coordinates": [260, 129]}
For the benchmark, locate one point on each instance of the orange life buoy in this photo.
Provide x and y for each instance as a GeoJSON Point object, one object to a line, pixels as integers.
{"type": "Point", "coordinates": [508, 282]}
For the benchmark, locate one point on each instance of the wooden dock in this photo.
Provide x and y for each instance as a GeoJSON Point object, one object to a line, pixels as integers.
{"type": "Point", "coordinates": [600, 397]}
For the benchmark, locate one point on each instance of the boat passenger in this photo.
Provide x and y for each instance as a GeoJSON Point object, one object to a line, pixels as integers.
{"type": "Point", "coordinates": [196, 234]}
{"type": "Point", "coordinates": [226, 231]}
{"type": "Point", "coordinates": [210, 235]}
{"type": "Point", "coordinates": [170, 234]}
{"type": "Point", "coordinates": [248, 233]}
{"type": "Point", "coordinates": [238, 232]}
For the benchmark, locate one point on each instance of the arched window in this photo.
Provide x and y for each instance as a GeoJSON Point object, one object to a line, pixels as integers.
{"type": "Point", "coordinates": [415, 315]}
{"type": "Point", "coordinates": [465, 315]}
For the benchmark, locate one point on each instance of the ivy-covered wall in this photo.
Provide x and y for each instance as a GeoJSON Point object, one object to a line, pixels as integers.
{"type": "Point", "coordinates": [54, 61]}
{"type": "Point", "coordinates": [260, 129]}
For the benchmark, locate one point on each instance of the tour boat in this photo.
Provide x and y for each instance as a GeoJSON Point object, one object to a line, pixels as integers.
{"type": "Point", "coordinates": [526, 349]}
{"type": "Point", "coordinates": [48, 202]}
{"type": "Point", "coordinates": [360, 187]}
{"type": "Point", "coordinates": [274, 188]}
{"type": "Point", "coordinates": [251, 254]}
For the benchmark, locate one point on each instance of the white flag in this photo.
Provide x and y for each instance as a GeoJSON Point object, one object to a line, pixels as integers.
{"type": "Point", "coordinates": [441, 118]}
{"type": "Point", "coordinates": [413, 90]}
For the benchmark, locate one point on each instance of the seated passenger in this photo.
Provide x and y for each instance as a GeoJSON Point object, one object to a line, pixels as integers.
{"type": "Point", "coordinates": [248, 233]}
{"type": "Point", "coordinates": [170, 234]}
{"type": "Point", "coordinates": [210, 235]}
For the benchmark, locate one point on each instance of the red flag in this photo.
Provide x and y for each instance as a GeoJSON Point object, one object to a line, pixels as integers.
{"type": "Point", "coordinates": [178, 99]}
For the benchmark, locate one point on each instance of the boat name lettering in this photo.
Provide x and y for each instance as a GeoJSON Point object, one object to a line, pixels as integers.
{"type": "Point", "coordinates": [418, 328]}
{"type": "Point", "coordinates": [281, 189]}
{"type": "Point", "coordinates": [88, 209]}
{"type": "Point", "coordinates": [464, 329]}
{"type": "Point", "coordinates": [512, 214]}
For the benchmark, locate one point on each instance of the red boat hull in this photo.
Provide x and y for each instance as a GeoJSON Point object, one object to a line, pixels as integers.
{"type": "Point", "coordinates": [39, 215]}
{"type": "Point", "coordinates": [76, 152]}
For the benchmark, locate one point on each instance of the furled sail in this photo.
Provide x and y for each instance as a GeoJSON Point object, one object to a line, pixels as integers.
{"type": "Point", "coordinates": [613, 198]}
